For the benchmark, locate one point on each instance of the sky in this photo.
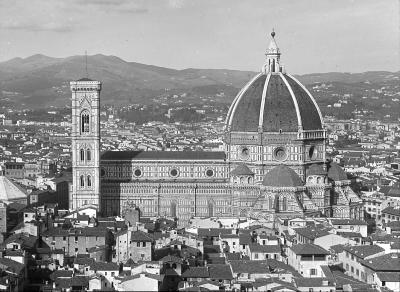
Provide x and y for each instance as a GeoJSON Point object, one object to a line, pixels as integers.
{"type": "Point", "coordinates": [314, 36]}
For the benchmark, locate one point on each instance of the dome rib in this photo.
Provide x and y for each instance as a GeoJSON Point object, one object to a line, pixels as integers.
{"type": "Point", "coordinates": [274, 102]}
{"type": "Point", "coordinates": [235, 102]}
{"type": "Point", "coordinates": [262, 107]}
{"type": "Point", "coordinates": [279, 111]}
{"type": "Point", "coordinates": [310, 97]}
{"type": "Point", "coordinates": [245, 115]}
{"type": "Point", "coordinates": [296, 105]}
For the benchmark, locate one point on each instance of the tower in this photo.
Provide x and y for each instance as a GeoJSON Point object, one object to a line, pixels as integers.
{"type": "Point", "coordinates": [85, 143]}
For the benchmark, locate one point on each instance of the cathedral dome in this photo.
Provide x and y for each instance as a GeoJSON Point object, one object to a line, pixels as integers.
{"type": "Point", "coordinates": [336, 173]}
{"type": "Point", "coordinates": [282, 176]}
{"type": "Point", "coordinates": [273, 101]}
{"type": "Point", "coordinates": [316, 169]}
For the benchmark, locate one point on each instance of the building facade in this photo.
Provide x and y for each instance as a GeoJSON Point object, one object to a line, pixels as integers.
{"type": "Point", "coordinates": [273, 163]}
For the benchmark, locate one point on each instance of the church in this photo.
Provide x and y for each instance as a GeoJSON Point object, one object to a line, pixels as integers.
{"type": "Point", "coordinates": [273, 164]}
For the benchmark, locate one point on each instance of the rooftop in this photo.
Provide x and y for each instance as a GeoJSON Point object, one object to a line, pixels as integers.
{"type": "Point", "coordinates": [308, 249]}
{"type": "Point", "coordinates": [363, 251]}
{"type": "Point", "coordinates": [282, 176]}
{"type": "Point", "coordinates": [163, 155]}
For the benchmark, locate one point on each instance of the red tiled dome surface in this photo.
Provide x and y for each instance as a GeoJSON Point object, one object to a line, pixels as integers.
{"type": "Point", "coordinates": [282, 176]}
{"type": "Point", "coordinates": [335, 172]}
{"type": "Point", "coordinates": [285, 103]}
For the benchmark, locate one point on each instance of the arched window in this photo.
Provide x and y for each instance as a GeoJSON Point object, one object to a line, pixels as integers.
{"type": "Point", "coordinates": [82, 181]}
{"type": "Point", "coordinates": [88, 155]}
{"type": "Point", "coordinates": [85, 122]}
{"type": "Point", "coordinates": [271, 203]}
{"type": "Point", "coordinates": [89, 181]}
{"type": "Point", "coordinates": [82, 155]}
{"type": "Point", "coordinates": [173, 209]}
{"type": "Point", "coordinates": [284, 204]}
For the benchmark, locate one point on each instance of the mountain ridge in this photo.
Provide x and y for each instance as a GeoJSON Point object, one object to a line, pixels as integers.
{"type": "Point", "coordinates": [46, 79]}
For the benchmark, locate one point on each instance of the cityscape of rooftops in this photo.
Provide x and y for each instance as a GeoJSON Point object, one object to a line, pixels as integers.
{"type": "Point", "coordinates": [180, 145]}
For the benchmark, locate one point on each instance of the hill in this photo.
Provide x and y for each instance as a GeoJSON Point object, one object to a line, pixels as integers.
{"type": "Point", "coordinates": [42, 81]}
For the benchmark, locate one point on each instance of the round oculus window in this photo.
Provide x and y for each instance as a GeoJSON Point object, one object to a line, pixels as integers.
{"type": "Point", "coordinates": [244, 152]}
{"type": "Point", "coordinates": [312, 153]}
{"type": "Point", "coordinates": [209, 172]}
{"type": "Point", "coordinates": [173, 172]}
{"type": "Point", "coordinates": [280, 153]}
{"type": "Point", "coordinates": [137, 172]}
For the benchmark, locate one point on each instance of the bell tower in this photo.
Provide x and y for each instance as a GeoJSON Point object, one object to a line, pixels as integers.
{"type": "Point", "coordinates": [85, 146]}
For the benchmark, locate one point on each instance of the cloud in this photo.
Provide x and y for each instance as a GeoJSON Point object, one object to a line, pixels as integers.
{"type": "Point", "coordinates": [176, 3]}
{"type": "Point", "coordinates": [102, 2]}
{"type": "Point", "coordinates": [33, 26]}
{"type": "Point", "coordinates": [36, 15]}
{"type": "Point", "coordinates": [125, 6]}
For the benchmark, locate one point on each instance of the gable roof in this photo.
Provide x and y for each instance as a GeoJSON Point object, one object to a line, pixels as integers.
{"type": "Point", "coordinates": [363, 251]}
{"type": "Point", "coordinates": [196, 272]}
{"type": "Point", "coordinates": [264, 248]}
{"type": "Point", "coordinates": [311, 233]}
{"type": "Point", "coordinates": [11, 266]}
{"type": "Point", "coordinates": [308, 249]}
{"type": "Point", "coordinates": [140, 236]}
{"type": "Point", "coordinates": [220, 272]}
{"type": "Point", "coordinates": [348, 222]}
{"type": "Point", "coordinates": [383, 263]}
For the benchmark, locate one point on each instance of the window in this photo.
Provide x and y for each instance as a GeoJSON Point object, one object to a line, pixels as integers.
{"type": "Point", "coordinates": [76, 249]}
{"type": "Point", "coordinates": [256, 256]}
{"type": "Point", "coordinates": [352, 270]}
{"type": "Point", "coordinates": [313, 272]}
{"type": "Point", "coordinates": [105, 273]}
{"type": "Point", "coordinates": [88, 155]}
{"type": "Point", "coordinates": [89, 181]}
{"type": "Point", "coordinates": [82, 181]}
{"type": "Point", "coordinates": [85, 122]}
{"type": "Point", "coordinates": [144, 244]}
{"type": "Point", "coordinates": [82, 155]}
{"type": "Point", "coordinates": [284, 204]}
{"type": "Point", "coordinates": [138, 244]}
{"type": "Point", "coordinates": [112, 273]}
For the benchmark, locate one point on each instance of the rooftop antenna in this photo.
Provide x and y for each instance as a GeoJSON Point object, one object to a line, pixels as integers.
{"type": "Point", "coordinates": [87, 75]}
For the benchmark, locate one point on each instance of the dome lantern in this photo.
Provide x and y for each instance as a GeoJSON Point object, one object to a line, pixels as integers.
{"type": "Point", "coordinates": [273, 54]}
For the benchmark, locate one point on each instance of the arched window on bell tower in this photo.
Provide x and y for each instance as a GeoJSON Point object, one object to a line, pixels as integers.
{"type": "Point", "coordinates": [88, 154]}
{"type": "Point", "coordinates": [82, 180]}
{"type": "Point", "coordinates": [89, 181]}
{"type": "Point", "coordinates": [85, 122]}
{"type": "Point", "coordinates": [82, 152]}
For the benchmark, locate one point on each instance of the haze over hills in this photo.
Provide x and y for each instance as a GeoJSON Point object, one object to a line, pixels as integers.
{"type": "Point", "coordinates": [40, 80]}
